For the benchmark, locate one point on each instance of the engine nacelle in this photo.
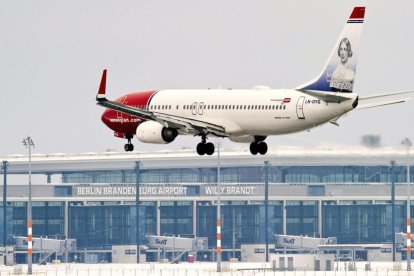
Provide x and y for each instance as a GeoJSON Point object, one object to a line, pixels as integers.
{"type": "Point", "coordinates": [155, 133]}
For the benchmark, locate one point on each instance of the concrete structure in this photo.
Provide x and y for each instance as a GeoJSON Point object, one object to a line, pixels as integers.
{"type": "Point", "coordinates": [316, 262]}
{"type": "Point", "coordinates": [127, 254]}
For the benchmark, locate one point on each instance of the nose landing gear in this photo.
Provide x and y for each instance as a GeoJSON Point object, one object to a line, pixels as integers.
{"type": "Point", "coordinates": [129, 146]}
{"type": "Point", "coordinates": [258, 146]}
{"type": "Point", "coordinates": [204, 147]}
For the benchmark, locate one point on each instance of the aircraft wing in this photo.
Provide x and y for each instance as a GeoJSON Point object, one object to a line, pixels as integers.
{"type": "Point", "coordinates": [384, 103]}
{"type": "Point", "coordinates": [378, 104]}
{"type": "Point", "coordinates": [171, 121]}
{"type": "Point", "coordinates": [384, 95]}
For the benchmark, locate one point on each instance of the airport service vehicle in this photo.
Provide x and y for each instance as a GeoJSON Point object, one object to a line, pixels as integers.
{"type": "Point", "coordinates": [246, 116]}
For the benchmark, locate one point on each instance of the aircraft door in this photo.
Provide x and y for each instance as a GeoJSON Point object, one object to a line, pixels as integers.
{"type": "Point", "coordinates": [201, 108]}
{"type": "Point", "coordinates": [118, 113]}
{"type": "Point", "coordinates": [299, 107]}
{"type": "Point", "coordinates": [194, 108]}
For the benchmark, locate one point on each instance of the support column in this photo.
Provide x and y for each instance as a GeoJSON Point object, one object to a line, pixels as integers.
{"type": "Point", "coordinates": [66, 228]}
{"type": "Point", "coordinates": [393, 208]}
{"type": "Point", "coordinates": [5, 165]}
{"type": "Point", "coordinates": [284, 218]}
{"type": "Point", "coordinates": [195, 218]}
{"type": "Point", "coordinates": [158, 226]}
{"type": "Point", "coordinates": [320, 218]}
{"type": "Point", "coordinates": [158, 223]}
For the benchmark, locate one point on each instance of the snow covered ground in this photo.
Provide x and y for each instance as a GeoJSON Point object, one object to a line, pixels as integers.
{"type": "Point", "coordinates": [198, 269]}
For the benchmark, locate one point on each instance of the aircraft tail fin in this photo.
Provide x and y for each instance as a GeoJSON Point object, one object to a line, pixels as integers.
{"type": "Point", "coordinates": [338, 75]}
{"type": "Point", "coordinates": [102, 87]}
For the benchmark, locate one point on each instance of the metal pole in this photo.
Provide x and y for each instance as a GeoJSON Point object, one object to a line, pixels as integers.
{"type": "Point", "coordinates": [5, 164]}
{"type": "Point", "coordinates": [218, 212]}
{"type": "Point", "coordinates": [234, 231]}
{"type": "Point", "coordinates": [266, 163]}
{"type": "Point", "coordinates": [137, 168]}
{"type": "Point", "coordinates": [407, 143]}
{"type": "Point", "coordinates": [28, 142]}
{"type": "Point", "coordinates": [393, 208]}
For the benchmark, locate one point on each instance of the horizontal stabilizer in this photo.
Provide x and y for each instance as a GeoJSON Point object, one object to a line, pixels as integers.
{"type": "Point", "coordinates": [328, 97]}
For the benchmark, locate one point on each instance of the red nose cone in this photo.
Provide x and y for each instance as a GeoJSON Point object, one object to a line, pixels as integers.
{"type": "Point", "coordinates": [105, 117]}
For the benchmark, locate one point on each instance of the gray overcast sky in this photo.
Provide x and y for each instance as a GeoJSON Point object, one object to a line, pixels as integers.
{"type": "Point", "coordinates": [52, 54]}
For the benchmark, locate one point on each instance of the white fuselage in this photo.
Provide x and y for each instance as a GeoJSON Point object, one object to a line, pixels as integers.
{"type": "Point", "coordinates": [250, 112]}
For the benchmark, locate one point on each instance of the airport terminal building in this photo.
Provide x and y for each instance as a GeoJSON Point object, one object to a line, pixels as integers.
{"type": "Point", "coordinates": [320, 193]}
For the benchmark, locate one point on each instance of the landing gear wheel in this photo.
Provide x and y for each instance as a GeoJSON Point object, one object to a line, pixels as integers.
{"type": "Point", "coordinates": [254, 148]}
{"type": "Point", "coordinates": [262, 147]}
{"type": "Point", "coordinates": [201, 148]}
{"type": "Point", "coordinates": [128, 147]}
{"type": "Point", "coordinates": [209, 148]}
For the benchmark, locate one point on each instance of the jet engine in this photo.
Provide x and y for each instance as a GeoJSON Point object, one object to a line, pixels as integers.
{"type": "Point", "coordinates": [155, 133]}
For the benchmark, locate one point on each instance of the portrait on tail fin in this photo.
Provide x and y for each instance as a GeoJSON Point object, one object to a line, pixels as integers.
{"type": "Point", "coordinates": [343, 76]}
{"type": "Point", "coordinates": [338, 74]}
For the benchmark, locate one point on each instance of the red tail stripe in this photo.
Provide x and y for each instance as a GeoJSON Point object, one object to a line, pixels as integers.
{"type": "Point", "coordinates": [102, 86]}
{"type": "Point", "coordinates": [358, 12]}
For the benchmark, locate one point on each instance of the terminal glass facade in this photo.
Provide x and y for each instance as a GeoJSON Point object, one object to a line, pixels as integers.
{"type": "Point", "coordinates": [290, 174]}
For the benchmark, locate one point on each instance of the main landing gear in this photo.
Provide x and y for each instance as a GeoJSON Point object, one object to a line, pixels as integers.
{"type": "Point", "coordinates": [129, 146]}
{"type": "Point", "coordinates": [258, 146]}
{"type": "Point", "coordinates": [204, 147]}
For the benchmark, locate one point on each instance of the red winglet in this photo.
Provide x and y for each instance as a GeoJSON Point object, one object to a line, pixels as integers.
{"type": "Point", "coordinates": [358, 13]}
{"type": "Point", "coordinates": [102, 86]}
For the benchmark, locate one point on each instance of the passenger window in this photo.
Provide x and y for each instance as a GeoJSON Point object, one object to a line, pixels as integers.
{"type": "Point", "coordinates": [259, 107]}
{"type": "Point", "coordinates": [284, 107]}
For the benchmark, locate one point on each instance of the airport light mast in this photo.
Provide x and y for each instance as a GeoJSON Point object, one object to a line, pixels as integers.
{"type": "Point", "coordinates": [407, 143]}
{"type": "Point", "coordinates": [5, 165]}
{"type": "Point", "coordinates": [28, 143]}
{"type": "Point", "coordinates": [218, 212]}
{"type": "Point", "coordinates": [137, 183]}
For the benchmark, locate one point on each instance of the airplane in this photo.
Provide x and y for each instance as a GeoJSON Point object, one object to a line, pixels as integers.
{"type": "Point", "coordinates": [244, 116]}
